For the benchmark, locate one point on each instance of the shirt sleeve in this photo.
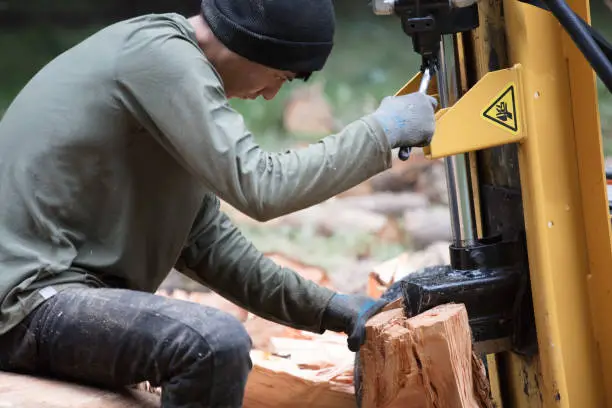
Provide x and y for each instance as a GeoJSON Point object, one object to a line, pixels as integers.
{"type": "Point", "coordinates": [221, 258]}
{"type": "Point", "coordinates": [176, 94]}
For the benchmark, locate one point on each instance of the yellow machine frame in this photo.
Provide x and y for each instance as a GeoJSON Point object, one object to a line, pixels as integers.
{"type": "Point", "coordinates": [556, 124]}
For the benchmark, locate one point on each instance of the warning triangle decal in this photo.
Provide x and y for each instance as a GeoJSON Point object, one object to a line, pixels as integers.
{"type": "Point", "coordinates": [503, 110]}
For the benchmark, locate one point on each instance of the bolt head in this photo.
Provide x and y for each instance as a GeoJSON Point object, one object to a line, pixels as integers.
{"type": "Point", "coordinates": [383, 7]}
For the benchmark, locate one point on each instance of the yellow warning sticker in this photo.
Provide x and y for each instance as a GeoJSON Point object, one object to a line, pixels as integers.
{"type": "Point", "coordinates": [503, 110]}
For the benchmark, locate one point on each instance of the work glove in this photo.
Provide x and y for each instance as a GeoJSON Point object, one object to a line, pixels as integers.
{"type": "Point", "coordinates": [349, 314]}
{"type": "Point", "coordinates": [407, 120]}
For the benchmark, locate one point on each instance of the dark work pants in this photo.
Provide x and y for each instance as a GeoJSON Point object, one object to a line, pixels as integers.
{"type": "Point", "coordinates": [116, 338]}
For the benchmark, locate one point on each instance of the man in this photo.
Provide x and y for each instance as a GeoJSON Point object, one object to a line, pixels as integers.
{"type": "Point", "coordinates": [113, 159]}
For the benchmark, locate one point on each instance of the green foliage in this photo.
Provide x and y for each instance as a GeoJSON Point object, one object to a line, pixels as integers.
{"type": "Point", "coordinates": [372, 57]}
{"type": "Point", "coordinates": [27, 50]}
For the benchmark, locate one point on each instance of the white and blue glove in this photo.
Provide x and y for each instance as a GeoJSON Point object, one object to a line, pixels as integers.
{"type": "Point", "coordinates": [407, 120]}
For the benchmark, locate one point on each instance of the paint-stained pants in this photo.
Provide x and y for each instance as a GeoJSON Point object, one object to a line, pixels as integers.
{"type": "Point", "coordinates": [115, 338]}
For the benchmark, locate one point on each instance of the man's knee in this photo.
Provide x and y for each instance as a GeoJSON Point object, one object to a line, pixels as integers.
{"type": "Point", "coordinates": [227, 337]}
{"type": "Point", "coordinates": [230, 344]}
{"type": "Point", "coordinates": [215, 343]}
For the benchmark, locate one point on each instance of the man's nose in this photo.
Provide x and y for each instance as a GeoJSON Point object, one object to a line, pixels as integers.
{"type": "Point", "coordinates": [270, 92]}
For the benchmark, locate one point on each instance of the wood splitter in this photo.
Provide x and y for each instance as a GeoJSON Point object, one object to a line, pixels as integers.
{"type": "Point", "coordinates": [518, 129]}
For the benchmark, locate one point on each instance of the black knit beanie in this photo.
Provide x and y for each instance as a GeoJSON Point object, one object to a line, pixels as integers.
{"type": "Point", "coordinates": [290, 35]}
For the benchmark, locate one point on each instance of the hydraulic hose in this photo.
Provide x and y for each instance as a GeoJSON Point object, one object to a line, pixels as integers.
{"type": "Point", "coordinates": [605, 46]}
{"type": "Point", "coordinates": [583, 39]}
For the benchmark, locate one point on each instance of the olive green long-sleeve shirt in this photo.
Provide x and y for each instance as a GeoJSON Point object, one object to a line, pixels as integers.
{"type": "Point", "coordinates": [112, 162]}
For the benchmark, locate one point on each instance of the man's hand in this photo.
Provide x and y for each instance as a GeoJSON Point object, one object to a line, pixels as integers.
{"type": "Point", "coordinates": [349, 314]}
{"type": "Point", "coordinates": [407, 120]}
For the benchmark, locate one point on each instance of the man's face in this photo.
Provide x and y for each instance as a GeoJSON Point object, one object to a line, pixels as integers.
{"type": "Point", "coordinates": [245, 79]}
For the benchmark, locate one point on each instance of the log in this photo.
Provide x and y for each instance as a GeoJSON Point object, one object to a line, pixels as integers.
{"type": "Point", "coordinates": [352, 277]}
{"type": "Point", "coordinates": [275, 382]}
{"type": "Point", "coordinates": [313, 371]}
{"type": "Point", "coordinates": [432, 183]}
{"type": "Point", "coordinates": [327, 218]}
{"type": "Point", "coordinates": [428, 225]}
{"type": "Point", "coordinates": [384, 275]}
{"type": "Point", "coordinates": [308, 112]}
{"type": "Point", "coordinates": [297, 369]}
{"type": "Point", "coordinates": [22, 391]}
{"type": "Point", "coordinates": [418, 175]}
{"type": "Point", "coordinates": [300, 370]}
{"type": "Point", "coordinates": [330, 217]}
{"type": "Point", "coordinates": [362, 189]}
{"type": "Point", "coordinates": [262, 331]}
{"type": "Point", "coordinates": [311, 272]}
{"type": "Point", "coordinates": [403, 175]}
{"type": "Point", "coordinates": [386, 203]}
{"type": "Point", "coordinates": [426, 361]}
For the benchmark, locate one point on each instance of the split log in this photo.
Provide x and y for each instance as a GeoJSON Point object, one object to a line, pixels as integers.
{"type": "Point", "coordinates": [389, 272]}
{"type": "Point", "coordinates": [276, 382]}
{"type": "Point", "coordinates": [262, 331]}
{"type": "Point", "coordinates": [32, 392]}
{"type": "Point", "coordinates": [315, 371]}
{"type": "Point", "coordinates": [385, 274]}
{"type": "Point", "coordinates": [422, 362]}
{"type": "Point", "coordinates": [298, 369]}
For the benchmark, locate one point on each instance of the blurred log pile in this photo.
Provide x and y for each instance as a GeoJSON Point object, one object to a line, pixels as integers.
{"type": "Point", "coordinates": [407, 205]}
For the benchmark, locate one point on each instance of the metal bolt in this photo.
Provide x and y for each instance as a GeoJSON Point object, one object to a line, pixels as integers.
{"type": "Point", "coordinates": [383, 7]}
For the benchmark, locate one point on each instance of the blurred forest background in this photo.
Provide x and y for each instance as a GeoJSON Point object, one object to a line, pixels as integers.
{"type": "Point", "coordinates": [372, 59]}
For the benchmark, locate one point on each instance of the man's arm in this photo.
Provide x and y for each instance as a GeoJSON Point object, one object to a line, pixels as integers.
{"type": "Point", "coordinates": [170, 87]}
{"type": "Point", "coordinates": [220, 257]}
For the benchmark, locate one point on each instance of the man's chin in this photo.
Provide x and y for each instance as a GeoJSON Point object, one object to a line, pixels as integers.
{"type": "Point", "coordinates": [243, 97]}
